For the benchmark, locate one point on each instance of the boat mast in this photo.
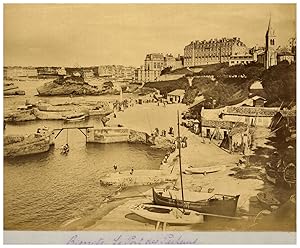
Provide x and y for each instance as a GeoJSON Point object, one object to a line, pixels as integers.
{"type": "Point", "coordinates": [179, 149]}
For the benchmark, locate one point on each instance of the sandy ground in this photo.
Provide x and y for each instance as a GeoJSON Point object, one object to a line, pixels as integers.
{"type": "Point", "coordinates": [116, 215]}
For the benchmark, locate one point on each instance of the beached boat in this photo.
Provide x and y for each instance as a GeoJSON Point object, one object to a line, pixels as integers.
{"type": "Point", "coordinates": [271, 176]}
{"type": "Point", "coordinates": [168, 215]}
{"type": "Point", "coordinates": [267, 199]}
{"type": "Point", "coordinates": [75, 118]}
{"type": "Point", "coordinates": [218, 204]}
{"type": "Point", "coordinates": [203, 170]}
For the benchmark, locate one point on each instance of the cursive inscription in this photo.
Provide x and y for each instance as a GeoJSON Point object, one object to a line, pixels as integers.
{"type": "Point", "coordinates": [121, 239]}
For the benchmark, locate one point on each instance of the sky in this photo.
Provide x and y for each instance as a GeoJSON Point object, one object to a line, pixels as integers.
{"type": "Point", "coordinates": [103, 34]}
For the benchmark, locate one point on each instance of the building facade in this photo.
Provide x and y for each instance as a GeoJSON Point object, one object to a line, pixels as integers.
{"type": "Point", "coordinates": [154, 63]}
{"type": "Point", "coordinates": [254, 116]}
{"type": "Point", "coordinates": [238, 59]}
{"type": "Point", "coordinates": [213, 51]}
{"type": "Point", "coordinates": [292, 45]}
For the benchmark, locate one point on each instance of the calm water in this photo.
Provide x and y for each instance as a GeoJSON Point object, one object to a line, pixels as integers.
{"type": "Point", "coordinates": [43, 191]}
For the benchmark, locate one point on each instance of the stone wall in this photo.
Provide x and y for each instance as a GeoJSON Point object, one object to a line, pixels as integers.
{"type": "Point", "coordinates": [121, 134]}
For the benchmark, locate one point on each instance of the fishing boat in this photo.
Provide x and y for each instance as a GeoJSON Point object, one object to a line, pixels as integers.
{"type": "Point", "coordinates": [167, 215]}
{"type": "Point", "coordinates": [75, 118]}
{"type": "Point", "coordinates": [203, 170]}
{"type": "Point", "coordinates": [218, 204]}
{"type": "Point", "coordinates": [267, 199]}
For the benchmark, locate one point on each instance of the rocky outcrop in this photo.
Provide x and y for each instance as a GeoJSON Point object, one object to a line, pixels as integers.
{"type": "Point", "coordinates": [137, 177]}
{"type": "Point", "coordinates": [20, 115]}
{"type": "Point", "coordinates": [163, 143]}
{"type": "Point", "coordinates": [10, 89]}
{"type": "Point", "coordinates": [68, 86]}
{"type": "Point", "coordinates": [139, 137]}
{"type": "Point", "coordinates": [17, 145]}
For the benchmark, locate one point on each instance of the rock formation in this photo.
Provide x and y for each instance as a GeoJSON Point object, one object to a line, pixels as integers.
{"type": "Point", "coordinates": [72, 85]}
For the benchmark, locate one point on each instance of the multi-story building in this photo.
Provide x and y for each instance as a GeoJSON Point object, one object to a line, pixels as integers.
{"type": "Point", "coordinates": [154, 63]}
{"type": "Point", "coordinates": [292, 45]}
{"type": "Point", "coordinates": [213, 51]}
{"type": "Point", "coordinates": [243, 59]}
{"type": "Point", "coordinates": [117, 72]}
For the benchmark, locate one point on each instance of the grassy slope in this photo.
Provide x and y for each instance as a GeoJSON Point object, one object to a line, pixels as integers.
{"type": "Point", "coordinates": [279, 83]}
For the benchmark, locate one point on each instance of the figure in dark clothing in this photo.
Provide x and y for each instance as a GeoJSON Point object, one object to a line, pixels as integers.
{"type": "Point", "coordinates": [131, 172]}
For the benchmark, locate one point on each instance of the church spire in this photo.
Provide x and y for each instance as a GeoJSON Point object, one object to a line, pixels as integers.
{"type": "Point", "coordinates": [270, 30]}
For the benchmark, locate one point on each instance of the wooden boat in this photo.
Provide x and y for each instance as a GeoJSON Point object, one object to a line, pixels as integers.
{"type": "Point", "coordinates": [207, 203]}
{"type": "Point", "coordinates": [271, 176]}
{"type": "Point", "coordinates": [266, 199]}
{"type": "Point", "coordinates": [166, 214]}
{"type": "Point", "coordinates": [75, 118]}
{"type": "Point", "coordinates": [203, 170]}
{"type": "Point", "coordinates": [218, 204]}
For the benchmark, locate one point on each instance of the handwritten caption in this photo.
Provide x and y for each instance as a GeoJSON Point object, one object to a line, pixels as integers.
{"type": "Point", "coordinates": [132, 240]}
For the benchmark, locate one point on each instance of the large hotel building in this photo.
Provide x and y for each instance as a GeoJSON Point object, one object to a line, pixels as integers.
{"type": "Point", "coordinates": [213, 51]}
{"type": "Point", "coordinates": [154, 63]}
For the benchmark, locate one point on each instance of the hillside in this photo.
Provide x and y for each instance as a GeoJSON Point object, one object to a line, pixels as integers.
{"type": "Point", "coordinates": [230, 85]}
{"type": "Point", "coordinates": [279, 83]}
{"type": "Point", "coordinates": [214, 82]}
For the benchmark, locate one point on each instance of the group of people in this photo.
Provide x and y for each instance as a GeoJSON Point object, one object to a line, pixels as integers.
{"type": "Point", "coordinates": [65, 149]}
{"type": "Point", "coordinates": [116, 169]}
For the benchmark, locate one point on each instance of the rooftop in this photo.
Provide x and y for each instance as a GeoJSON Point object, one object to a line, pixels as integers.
{"type": "Point", "coordinates": [258, 97]}
{"type": "Point", "coordinates": [177, 92]}
{"type": "Point", "coordinates": [251, 111]}
{"type": "Point", "coordinates": [256, 85]}
{"type": "Point", "coordinates": [220, 124]}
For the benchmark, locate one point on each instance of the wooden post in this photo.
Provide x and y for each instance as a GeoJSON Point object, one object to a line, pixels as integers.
{"type": "Point", "coordinates": [157, 225]}
{"type": "Point", "coordinates": [230, 143]}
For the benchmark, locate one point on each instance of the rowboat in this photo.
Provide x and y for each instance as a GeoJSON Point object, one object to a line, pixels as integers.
{"type": "Point", "coordinates": [267, 200]}
{"type": "Point", "coordinates": [219, 204]}
{"type": "Point", "coordinates": [75, 118]}
{"type": "Point", "coordinates": [170, 215]}
{"type": "Point", "coordinates": [203, 170]}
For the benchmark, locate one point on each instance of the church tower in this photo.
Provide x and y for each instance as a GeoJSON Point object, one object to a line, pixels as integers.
{"type": "Point", "coordinates": [271, 43]}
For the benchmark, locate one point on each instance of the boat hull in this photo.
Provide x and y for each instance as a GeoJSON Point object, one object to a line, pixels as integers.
{"type": "Point", "coordinates": [203, 170]}
{"type": "Point", "coordinates": [75, 119]}
{"type": "Point", "coordinates": [217, 204]}
{"type": "Point", "coordinates": [167, 214]}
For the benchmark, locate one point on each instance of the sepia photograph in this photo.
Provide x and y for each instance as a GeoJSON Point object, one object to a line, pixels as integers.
{"type": "Point", "coordinates": [149, 119]}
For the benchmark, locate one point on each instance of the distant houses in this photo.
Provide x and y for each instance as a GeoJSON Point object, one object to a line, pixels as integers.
{"type": "Point", "coordinates": [254, 116]}
{"type": "Point", "coordinates": [256, 88]}
{"type": "Point", "coordinates": [175, 96]}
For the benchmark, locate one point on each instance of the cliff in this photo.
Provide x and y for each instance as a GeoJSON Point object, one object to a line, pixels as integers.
{"type": "Point", "coordinates": [68, 86]}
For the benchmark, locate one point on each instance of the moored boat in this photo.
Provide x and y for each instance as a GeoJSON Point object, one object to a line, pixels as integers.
{"type": "Point", "coordinates": [170, 215]}
{"type": "Point", "coordinates": [75, 118]}
{"type": "Point", "coordinates": [217, 204]}
{"type": "Point", "coordinates": [220, 204]}
{"type": "Point", "coordinates": [267, 199]}
{"type": "Point", "coordinates": [204, 170]}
